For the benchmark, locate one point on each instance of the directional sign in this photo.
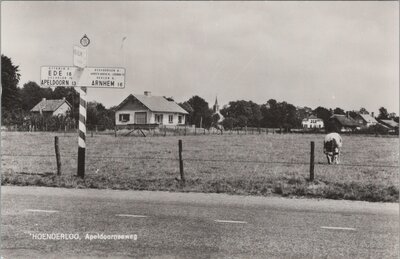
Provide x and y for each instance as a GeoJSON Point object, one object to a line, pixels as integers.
{"type": "Point", "coordinates": [80, 57]}
{"type": "Point", "coordinates": [96, 77]}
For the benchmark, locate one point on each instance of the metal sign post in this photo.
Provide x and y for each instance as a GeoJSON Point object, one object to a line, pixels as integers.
{"type": "Point", "coordinates": [82, 132]}
{"type": "Point", "coordinates": [83, 77]}
{"type": "Point", "coordinates": [80, 60]}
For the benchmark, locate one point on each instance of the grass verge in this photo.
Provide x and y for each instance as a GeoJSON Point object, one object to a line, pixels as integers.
{"type": "Point", "coordinates": [293, 186]}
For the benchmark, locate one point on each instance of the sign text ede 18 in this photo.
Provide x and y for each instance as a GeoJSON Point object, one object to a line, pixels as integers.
{"type": "Point", "coordinates": [53, 76]}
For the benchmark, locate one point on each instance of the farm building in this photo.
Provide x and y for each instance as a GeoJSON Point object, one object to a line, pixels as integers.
{"type": "Point", "coordinates": [344, 123]}
{"type": "Point", "coordinates": [52, 107]}
{"type": "Point", "coordinates": [366, 120]}
{"type": "Point", "coordinates": [391, 125]}
{"type": "Point", "coordinates": [149, 110]}
{"type": "Point", "coordinates": [312, 122]}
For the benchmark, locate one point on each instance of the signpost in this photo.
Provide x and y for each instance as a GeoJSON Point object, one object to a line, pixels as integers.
{"type": "Point", "coordinates": [83, 77]}
{"type": "Point", "coordinates": [97, 77]}
{"type": "Point", "coordinates": [80, 57]}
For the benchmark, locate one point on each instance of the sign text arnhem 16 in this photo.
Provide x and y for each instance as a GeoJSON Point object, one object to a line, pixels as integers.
{"type": "Point", "coordinates": [66, 76]}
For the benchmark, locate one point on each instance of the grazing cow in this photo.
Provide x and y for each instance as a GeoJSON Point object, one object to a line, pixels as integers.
{"type": "Point", "coordinates": [332, 145]}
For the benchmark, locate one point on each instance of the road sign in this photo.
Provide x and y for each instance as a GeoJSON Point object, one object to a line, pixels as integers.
{"type": "Point", "coordinates": [91, 77]}
{"type": "Point", "coordinates": [85, 41]}
{"type": "Point", "coordinates": [80, 57]}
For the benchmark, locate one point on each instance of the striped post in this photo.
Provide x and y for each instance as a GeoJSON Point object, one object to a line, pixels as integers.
{"type": "Point", "coordinates": [82, 132]}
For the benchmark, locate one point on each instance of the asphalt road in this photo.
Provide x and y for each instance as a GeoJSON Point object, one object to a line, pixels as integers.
{"type": "Point", "coordinates": [192, 225]}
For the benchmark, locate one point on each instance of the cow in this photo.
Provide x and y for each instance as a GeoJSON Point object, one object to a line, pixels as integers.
{"type": "Point", "coordinates": [332, 146]}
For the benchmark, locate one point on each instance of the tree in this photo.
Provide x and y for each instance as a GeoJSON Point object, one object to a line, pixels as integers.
{"type": "Point", "coordinates": [338, 110]}
{"type": "Point", "coordinates": [383, 114]}
{"type": "Point", "coordinates": [10, 97]}
{"type": "Point", "coordinates": [186, 106]}
{"type": "Point", "coordinates": [279, 114]}
{"type": "Point", "coordinates": [246, 113]}
{"type": "Point", "coordinates": [201, 112]}
{"type": "Point", "coordinates": [32, 94]}
{"type": "Point", "coordinates": [363, 111]}
{"type": "Point", "coordinates": [99, 117]}
{"type": "Point", "coordinates": [324, 114]}
{"type": "Point", "coordinates": [352, 114]}
{"type": "Point", "coordinates": [229, 123]}
{"type": "Point", "coordinates": [71, 95]}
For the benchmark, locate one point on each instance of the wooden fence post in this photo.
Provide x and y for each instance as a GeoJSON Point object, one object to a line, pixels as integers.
{"type": "Point", "coordinates": [115, 131]}
{"type": "Point", "coordinates": [58, 159]}
{"type": "Point", "coordinates": [181, 162]}
{"type": "Point", "coordinates": [165, 131]}
{"type": "Point", "coordinates": [312, 161]}
{"type": "Point", "coordinates": [195, 130]}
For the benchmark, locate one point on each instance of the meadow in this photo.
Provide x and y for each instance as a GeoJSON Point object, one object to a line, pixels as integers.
{"type": "Point", "coordinates": [255, 164]}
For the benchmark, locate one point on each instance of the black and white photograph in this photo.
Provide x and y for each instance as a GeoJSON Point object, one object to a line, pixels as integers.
{"type": "Point", "coordinates": [199, 129]}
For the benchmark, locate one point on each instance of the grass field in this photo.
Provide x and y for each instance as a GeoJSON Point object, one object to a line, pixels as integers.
{"type": "Point", "coordinates": [263, 164]}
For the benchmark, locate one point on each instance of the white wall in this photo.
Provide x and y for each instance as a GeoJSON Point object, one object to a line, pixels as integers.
{"type": "Point", "coordinates": [166, 119]}
{"type": "Point", "coordinates": [62, 110]}
{"type": "Point", "coordinates": [319, 124]}
{"type": "Point", "coordinates": [150, 117]}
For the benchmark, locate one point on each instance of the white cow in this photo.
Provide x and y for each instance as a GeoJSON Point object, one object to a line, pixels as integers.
{"type": "Point", "coordinates": [332, 146]}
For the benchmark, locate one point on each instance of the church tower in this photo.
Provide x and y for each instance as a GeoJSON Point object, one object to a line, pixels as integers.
{"type": "Point", "coordinates": [216, 106]}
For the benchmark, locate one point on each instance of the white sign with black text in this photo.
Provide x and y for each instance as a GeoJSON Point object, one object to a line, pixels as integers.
{"type": "Point", "coordinates": [96, 77]}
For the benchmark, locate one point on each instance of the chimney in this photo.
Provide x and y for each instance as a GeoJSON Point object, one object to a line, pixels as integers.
{"type": "Point", "coordinates": [372, 114]}
{"type": "Point", "coordinates": [43, 99]}
{"type": "Point", "coordinates": [147, 93]}
{"type": "Point", "coordinates": [63, 98]}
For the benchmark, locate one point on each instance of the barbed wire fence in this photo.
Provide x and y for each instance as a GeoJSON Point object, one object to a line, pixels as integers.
{"type": "Point", "coordinates": [178, 160]}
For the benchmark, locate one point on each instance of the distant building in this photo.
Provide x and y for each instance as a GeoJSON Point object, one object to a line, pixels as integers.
{"type": "Point", "coordinates": [344, 123]}
{"type": "Point", "coordinates": [312, 122]}
{"type": "Point", "coordinates": [149, 110]}
{"type": "Point", "coordinates": [216, 111]}
{"type": "Point", "coordinates": [391, 125]}
{"type": "Point", "coordinates": [52, 107]}
{"type": "Point", "coordinates": [366, 120]}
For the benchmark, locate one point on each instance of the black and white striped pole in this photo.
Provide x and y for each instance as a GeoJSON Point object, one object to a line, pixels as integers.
{"type": "Point", "coordinates": [81, 62]}
{"type": "Point", "coordinates": [82, 132]}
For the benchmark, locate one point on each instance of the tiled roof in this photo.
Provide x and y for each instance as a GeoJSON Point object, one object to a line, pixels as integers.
{"type": "Point", "coordinates": [155, 103]}
{"type": "Point", "coordinates": [390, 123]}
{"type": "Point", "coordinates": [368, 118]}
{"type": "Point", "coordinates": [311, 117]}
{"type": "Point", "coordinates": [48, 105]}
{"type": "Point", "coordinates": [345, 121]}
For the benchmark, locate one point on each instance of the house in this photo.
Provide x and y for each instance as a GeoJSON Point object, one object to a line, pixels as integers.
{"type": "Point", "coordinates": [52, 107]}
{"type": "Point", "coordinates": [312, 122]}
{"type": "Point", "coordinates": [391, 125]}
{"type": "Point", "coordinates": [142, 110]}
{"type": "Point", "coordinates": [343, 123]}
{"type": "Point", "coordinates": [216, 111]}
{"type": "Point", "coordinates": [366, 120]}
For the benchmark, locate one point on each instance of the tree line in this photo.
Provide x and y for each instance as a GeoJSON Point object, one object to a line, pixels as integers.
{"type": "Point", "coordinates": [16, 103]}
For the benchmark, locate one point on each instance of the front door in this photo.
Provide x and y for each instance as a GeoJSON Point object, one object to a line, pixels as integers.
{"type": "Point", "coordinates": [159, 119]}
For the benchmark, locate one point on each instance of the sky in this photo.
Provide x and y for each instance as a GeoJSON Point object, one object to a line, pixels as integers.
{"type": "Point", "coordinates": [330, 54]}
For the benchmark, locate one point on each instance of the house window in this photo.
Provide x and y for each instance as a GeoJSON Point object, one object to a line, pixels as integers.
{"type": "Point", "coordinates": [159, 118]}
{"type": "Point", "coordinates": [124, 117]}
{"type": "Point", "coordinates": [170, 118]}
{"type": "Point", "coordinates": [180, 119]}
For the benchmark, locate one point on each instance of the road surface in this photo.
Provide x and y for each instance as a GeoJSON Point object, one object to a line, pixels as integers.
{"type": "Point", "coordinates": [191, 225]}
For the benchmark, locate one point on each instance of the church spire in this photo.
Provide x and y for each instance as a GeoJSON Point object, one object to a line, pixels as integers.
{"type": "Point", "coordinates": [216, 106]}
